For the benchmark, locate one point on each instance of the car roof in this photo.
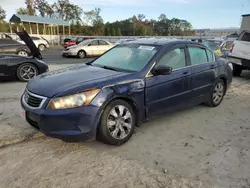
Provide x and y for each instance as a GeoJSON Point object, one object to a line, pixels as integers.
{"type": "Point", "coordinates": [162, 42]}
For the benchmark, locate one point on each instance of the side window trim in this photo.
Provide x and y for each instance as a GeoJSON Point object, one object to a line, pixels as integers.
{"type": "Point", "coordinates": [201, 47]}
{"type": "Point", "coordinates": [213, 58]}
{"type": "Point", "coordinates": [173, 48]}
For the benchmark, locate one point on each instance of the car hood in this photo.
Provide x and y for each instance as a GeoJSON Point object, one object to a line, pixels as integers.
{"type": "Point", "coordinates": [71, 80]}
{"type": "Point", "coordinates": [24, 36]}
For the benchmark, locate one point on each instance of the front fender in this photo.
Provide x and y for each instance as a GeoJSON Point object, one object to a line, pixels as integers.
{"type": "Point", "coordinates": [130, 91]}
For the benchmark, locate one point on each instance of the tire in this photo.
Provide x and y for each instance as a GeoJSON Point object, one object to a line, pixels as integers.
{"type": "Point", "coordinates": [41, 47]}
{"type": "Point", "coordinates": [81, 54]}
{"type": "Point", "coordinates": [23, 53]}
{"type": "Point", "coordinates": [237, 70]}
{"type": "Point", "coordinates": [30, 73]}
{"type": "Point", "coordinates": [113, 135]}
{"type": "Point", "coordinates": [218, 91]}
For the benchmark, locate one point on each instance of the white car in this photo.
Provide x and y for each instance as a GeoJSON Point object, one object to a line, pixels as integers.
{"type": "Point", "coordinates": [40, 42]}
{"type": "Point", "coordinates": [239, 54]}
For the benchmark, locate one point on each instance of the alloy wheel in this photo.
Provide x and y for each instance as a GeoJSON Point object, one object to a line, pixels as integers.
{"type": "Point", "coordinates": [27, 72]}
{"type": "Point", "coordinates": [119, 122]}
{"type": "Point", "coordinates": [218, 93]}
{"type": "Point", "coordinates": [41, 47]}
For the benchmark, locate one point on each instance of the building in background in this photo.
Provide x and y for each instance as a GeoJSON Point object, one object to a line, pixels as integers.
{"type": "Point", "coordinates": [245, 22]}
{"type": "Point", "coordinates": [215, 32]}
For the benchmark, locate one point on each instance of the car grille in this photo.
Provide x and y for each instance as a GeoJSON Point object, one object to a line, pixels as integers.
{"type": "Point", "coordinates": [33, 100]}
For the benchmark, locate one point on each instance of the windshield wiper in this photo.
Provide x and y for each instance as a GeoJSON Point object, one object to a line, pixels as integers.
{"type": "Point", "coordinates": [110, 68]}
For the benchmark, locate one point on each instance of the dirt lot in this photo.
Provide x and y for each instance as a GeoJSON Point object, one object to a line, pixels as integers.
{"type": "Point", "coordinates": [196, 147]}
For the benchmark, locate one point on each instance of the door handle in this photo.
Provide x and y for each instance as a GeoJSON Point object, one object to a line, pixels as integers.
{"type": "Point", "coordinates": [185, 73]}
{"type": "Point", "coordinates": [212, 66]}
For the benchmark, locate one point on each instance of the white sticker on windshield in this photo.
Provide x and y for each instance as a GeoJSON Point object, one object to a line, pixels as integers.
{"type": "Point", "coordinates": [146, 48]}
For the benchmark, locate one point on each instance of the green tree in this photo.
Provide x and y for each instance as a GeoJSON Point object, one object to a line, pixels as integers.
{"type": "Point", "coordinates": [2, 14]}
{"type": "Point", "coordinates": [30, 7]}
{"type": "Point", "coordinates": [22, 11]}
{"type": "Point", "coordinates": [118, 32]}
{"type": "Point", "coordinates": [112, 30]}
{"type": "Point", "coordinates": [44, 8]}
{"type": "Point", "coordinates": [107, 31]}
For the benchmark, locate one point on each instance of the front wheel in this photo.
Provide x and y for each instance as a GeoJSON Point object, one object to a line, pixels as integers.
{"type": "Point", "coordinates": [117, 123]}
{"type": "Point", "coordinates": [81, 54]}
{"type": "Point", "coordinates": [41, 47]}
{"type": "Point", "coordinates": [216, 94]}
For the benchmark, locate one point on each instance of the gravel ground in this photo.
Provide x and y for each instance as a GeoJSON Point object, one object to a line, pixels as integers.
{"type": "Point", "coordinates": [196, 147]}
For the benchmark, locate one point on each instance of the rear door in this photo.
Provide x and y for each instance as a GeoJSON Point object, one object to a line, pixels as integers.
{"type": "Point", "coordinates": [203, 70]}
{"type": "Point", "coordinates": [103, 46]}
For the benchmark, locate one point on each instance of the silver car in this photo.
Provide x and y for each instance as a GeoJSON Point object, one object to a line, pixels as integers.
{"type": "Point", "coordinates": [90, 47]}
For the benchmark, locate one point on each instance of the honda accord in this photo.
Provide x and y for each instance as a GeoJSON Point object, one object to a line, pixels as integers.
{"type": "Point", "coordinates": [130, 83]}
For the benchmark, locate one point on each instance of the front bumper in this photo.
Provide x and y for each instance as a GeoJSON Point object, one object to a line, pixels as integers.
{"type": "Point", "coordinates": [77, 124]}
{"type": "Point", "coordinates": [68, 53]}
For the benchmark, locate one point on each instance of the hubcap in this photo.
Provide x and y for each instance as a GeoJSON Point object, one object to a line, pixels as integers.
{"type": "Point", "coordinates": [218, 93]}
{"type": "Point", "coordinates": [119, 122]}
{"type": "Point", "coordinates": [23, 53]}
{"type": "Point", "coordinates": [81, 54]}
{"type": "Point", "coordinates": [41, 48]}
{"type": "Point", "coordinates": [28, 72]}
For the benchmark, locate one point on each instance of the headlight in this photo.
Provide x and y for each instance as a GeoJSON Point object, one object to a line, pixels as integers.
{"type": "Point", "coordinates": [73, 101]}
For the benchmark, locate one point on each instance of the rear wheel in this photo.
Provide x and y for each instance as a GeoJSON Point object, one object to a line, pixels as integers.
{"type": "Point", "coordinates": [81, 54]}
{"type": "Point", "coordinates": [26, 72]}
{"type": "Point", "coordinates": [217, 93]}
{"type": "Point", "coordinates": [41, 47]}
{"type": "Point", "coordinates": [237, 70]}
{"type": "Point", "coordinates": [117, 123]}
{"type": "Point", "coordinates": [22, 53]}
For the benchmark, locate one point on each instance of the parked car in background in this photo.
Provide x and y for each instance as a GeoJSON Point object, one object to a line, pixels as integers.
{"type": "Point", "coordinates": [10, 46]}
{"type": "Point", "coordinates": [121, 41]}
{"type": "Point", "coordinates": [40, 42]}
{"type": "Point", "coordinates": [130, 83]}
{"type": "Point", "coordinates": [90, 47]}
{"type": "Point", "coordinates": [76, 41]}
{"type": "Point", "coordinates": [239, 54]}
{"type": "Point", "coordinates": [22, 68]}
{"type": "Point", "coordinates": [213, 44]}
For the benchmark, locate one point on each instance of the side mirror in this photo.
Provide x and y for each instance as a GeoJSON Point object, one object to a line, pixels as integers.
{"type": "Point", "coordinates": [162, 70]}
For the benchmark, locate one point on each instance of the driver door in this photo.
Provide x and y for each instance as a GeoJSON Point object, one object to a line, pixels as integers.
{"type": "Point", "coordinates": [166, 92]}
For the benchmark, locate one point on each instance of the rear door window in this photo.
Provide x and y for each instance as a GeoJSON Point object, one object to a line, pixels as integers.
{"type": "Point", "coordinates": [197, 55]}
{"type": "Point", "coordinates": [246, 37]}
{"type": "Point", "coordinates": [94, 43]}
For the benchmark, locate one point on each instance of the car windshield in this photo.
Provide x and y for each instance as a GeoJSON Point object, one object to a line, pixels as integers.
{"type": "Point", "coordinates": [85, 42]}
{"type": "Point", "coordinates": [130, 57]}
{"type": "Point", "coordinates": [213, 45]}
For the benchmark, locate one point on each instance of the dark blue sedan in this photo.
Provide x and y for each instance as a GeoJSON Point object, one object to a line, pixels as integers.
{"type": "Point", "coordinates": [130, 83]}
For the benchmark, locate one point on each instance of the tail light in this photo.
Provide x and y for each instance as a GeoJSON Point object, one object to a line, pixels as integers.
{"type": "Point", "coordinates": [231, 49]}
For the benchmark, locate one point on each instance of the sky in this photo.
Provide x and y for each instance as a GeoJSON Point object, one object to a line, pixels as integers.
{"type": "Point", "coordinates": [200, 13]}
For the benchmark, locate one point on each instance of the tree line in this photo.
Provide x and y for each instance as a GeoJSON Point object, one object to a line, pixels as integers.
{"type": "Point", "coordinates": [91, 23]}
